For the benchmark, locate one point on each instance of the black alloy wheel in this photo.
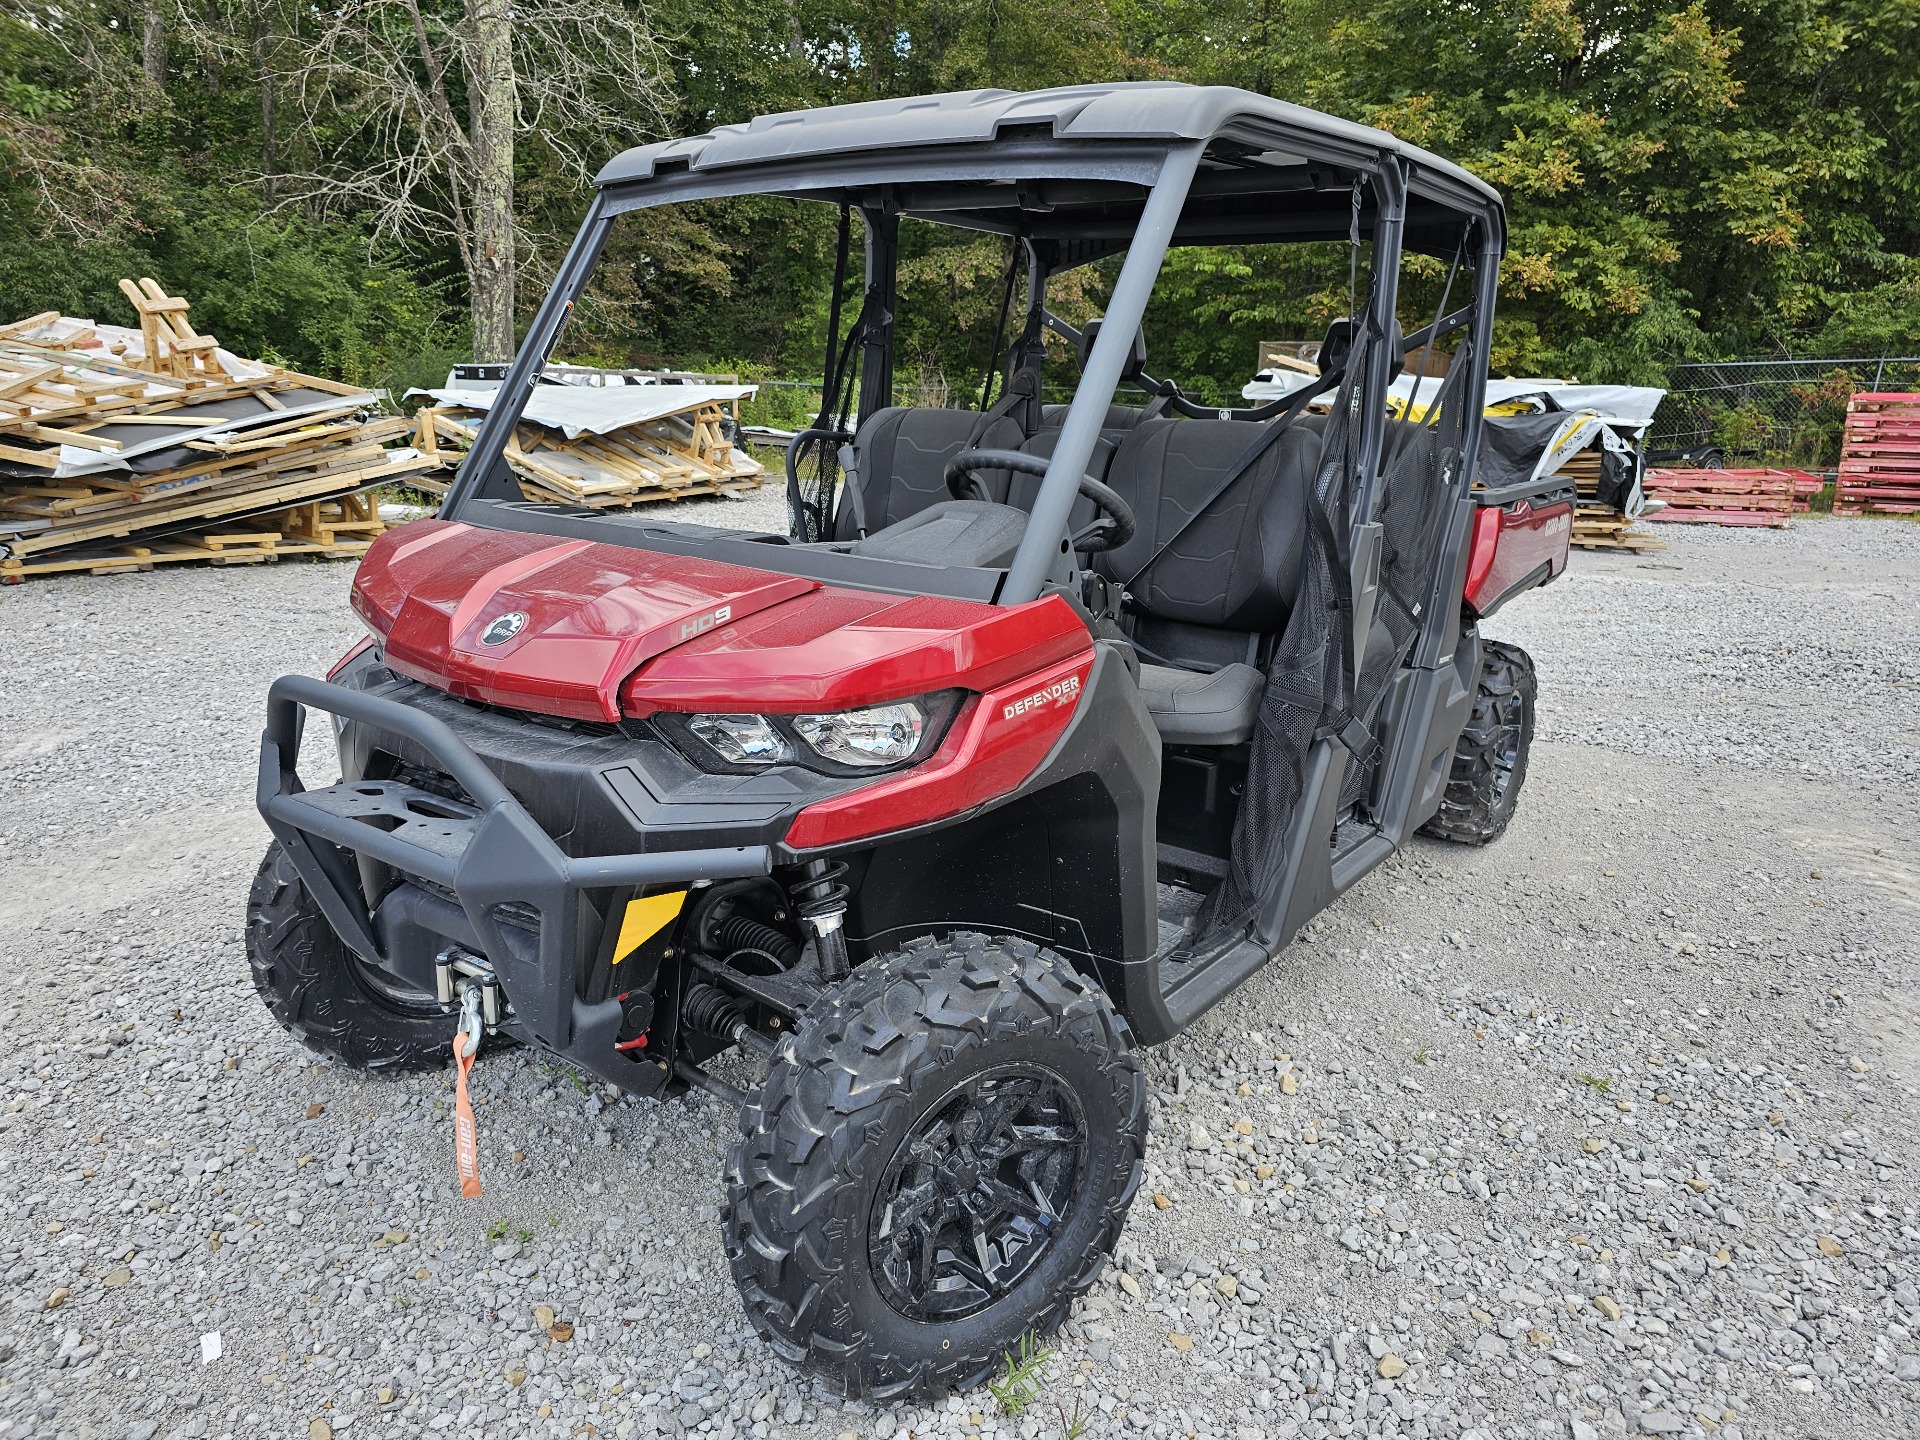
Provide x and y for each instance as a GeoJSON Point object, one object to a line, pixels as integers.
{"type": "Point", "coordinates": [976, 1193]}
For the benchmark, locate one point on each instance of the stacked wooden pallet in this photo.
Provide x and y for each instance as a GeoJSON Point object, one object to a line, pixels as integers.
{"type": "Point", "coordinates": [671, 457]}
{"type": "Point", "coordinates": [1727, 497]}
{"type": "Point", "coordinates": [1597, 526]}
{"type": "Point", "coordinates": [123, 449]}
{"type": "Point", "coordinates": [1880, 456]}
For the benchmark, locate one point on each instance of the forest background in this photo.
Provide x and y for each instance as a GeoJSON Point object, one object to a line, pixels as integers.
{"type": "Point", "coordinates": [375, 188]}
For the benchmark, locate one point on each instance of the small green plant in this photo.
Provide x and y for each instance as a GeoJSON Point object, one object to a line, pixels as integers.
{"type": "Point", "coordinates": [1072, 1427]}
{"type": "Point", "coordinates": [526, 1237]}
{"type": "Point", "coordinates": [1420, 1055]}
{"type": "Point", "coordinates": [1598, 1082]}
{"type": "Point", "coordinates": [579, 1081]}
{"type": "Point", "coordinates": [1021, 1387]}
{"type": "Point", "coordinates": [496, 1230]}
{"type": "Point", "coordinates": [403, 1302]}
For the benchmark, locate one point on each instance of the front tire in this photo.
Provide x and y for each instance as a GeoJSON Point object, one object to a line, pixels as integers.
{"type": "Point", "coordinates": [322, 993]}
{"type": "Point", "coordinates": [938, 1162]}
{"type": "Point", "coordinates": [1490, 758]}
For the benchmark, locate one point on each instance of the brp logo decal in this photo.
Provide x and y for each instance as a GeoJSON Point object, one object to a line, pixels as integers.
{"type": "Point", "coordinates": [504, 628]}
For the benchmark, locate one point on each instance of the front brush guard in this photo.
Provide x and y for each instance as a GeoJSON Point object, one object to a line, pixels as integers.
{"type": "Point", "coordinates": [490, 855]}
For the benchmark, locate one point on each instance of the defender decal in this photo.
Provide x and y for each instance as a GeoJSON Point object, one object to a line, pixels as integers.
{"type": "Point", "coordinates": [1058, 693]}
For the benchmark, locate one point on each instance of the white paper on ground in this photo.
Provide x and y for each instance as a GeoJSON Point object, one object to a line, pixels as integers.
{"type": "Point", "coordinates": [209, 1347]}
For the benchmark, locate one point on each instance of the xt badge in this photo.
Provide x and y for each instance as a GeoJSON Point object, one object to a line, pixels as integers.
{"type": "Point", "coordinates": [503, 629]}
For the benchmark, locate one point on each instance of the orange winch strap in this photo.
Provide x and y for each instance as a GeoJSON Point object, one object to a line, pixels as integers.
{"type": "Point", "coordinates": [466, 1149]}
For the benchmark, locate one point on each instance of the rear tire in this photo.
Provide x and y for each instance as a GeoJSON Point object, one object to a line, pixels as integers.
{"type": "Point", "coordinates": [938, 1162]}
{"type": "Point", "coordinates": [1490, 758]}
{"type": "Point", "coordinates": [324, 995]}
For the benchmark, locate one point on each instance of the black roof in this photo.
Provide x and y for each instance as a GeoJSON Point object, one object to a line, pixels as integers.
{"type": "Point", "coordinates": [1153, 111]}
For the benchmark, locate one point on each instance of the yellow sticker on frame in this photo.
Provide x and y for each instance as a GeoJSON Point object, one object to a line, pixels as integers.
{"type": "Point", "coordinates": [644, 919]}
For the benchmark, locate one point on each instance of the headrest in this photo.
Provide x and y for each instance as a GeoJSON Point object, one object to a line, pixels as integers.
{"type": "Point", "coordinates": [1339, 344]}
{"type": "Point", "coordinates": [1136, 360]}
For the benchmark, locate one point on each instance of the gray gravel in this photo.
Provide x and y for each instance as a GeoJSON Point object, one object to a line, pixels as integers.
{"type": "Point", "coordinates": [1605, 1129]}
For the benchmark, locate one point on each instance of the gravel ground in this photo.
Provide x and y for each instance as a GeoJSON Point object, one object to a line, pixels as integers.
{"type": "Point", "coordinates": [1605, 1129]}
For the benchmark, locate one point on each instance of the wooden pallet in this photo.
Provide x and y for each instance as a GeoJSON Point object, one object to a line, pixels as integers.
{"type": "Point", "coordinates": [305, 530]}
{"type": "Point", "coordinates": [1763, 497]}
{"type": "Point", "coordinates": [676, 458]}
{"type": "Point", "coordinates": [1880, 456]}
{"type": "Point", "coordinates": [86, 408]}
{"type": "Point", "coordinates": [1600, 528]}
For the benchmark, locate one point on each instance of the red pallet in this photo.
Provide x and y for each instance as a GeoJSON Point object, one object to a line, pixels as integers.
{"type": "Point", "coordinates": [1670, 516]}
{"type": "Point", "coordinates": [1880, 455]}
{"type": "Point", "coordinates": [1729, 497]}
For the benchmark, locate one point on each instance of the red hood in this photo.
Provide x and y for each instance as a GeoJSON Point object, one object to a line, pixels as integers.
{"type": "Point", "coordinates": [741, 638]}
{"type": "Point", "coordinates": [591, 612]}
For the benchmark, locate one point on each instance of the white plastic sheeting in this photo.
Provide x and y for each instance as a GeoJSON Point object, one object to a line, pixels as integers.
{"type": "Point", "coordinates": [598, 409]}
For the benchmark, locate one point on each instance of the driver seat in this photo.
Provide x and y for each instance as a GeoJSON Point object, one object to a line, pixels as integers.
{"type": "Point", "coordinates": [900, 462]}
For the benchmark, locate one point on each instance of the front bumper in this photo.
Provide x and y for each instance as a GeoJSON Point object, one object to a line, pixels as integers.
{"type": "Point", "coordinates": [517, 897]}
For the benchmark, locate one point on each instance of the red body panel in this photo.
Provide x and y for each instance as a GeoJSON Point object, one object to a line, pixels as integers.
{"type": "Point", "coordinates": [840, 649]}
{"type": "Point", "coordinates": [609, 629]}
{"type": "Point", "coordinates": [1511, 544]}
{"type": "Point", "coordinates": [593, 612]}
{"type": "Point", "coordinates": [996, 742]}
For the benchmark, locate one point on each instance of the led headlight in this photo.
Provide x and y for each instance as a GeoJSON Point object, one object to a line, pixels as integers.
{"type": "Point", "coordinates": [884, 735]}
{"type": "Point", "coordinates": [838, 742]}
{"type": "Point", "coordinates": [742, 739]}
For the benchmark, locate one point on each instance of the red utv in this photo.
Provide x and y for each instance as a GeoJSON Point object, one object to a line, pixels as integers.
{"type": "Point", "coordinates": [1044, 727]}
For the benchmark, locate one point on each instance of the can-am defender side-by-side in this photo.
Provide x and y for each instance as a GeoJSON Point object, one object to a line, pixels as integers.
{"type": "Point", "coordinates": [1044, 728]}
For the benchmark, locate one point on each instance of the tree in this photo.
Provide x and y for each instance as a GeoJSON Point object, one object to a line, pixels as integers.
{"type": "Point", "coordinates": [414, 110]}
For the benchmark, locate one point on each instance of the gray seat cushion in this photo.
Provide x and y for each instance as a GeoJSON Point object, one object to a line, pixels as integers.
{"type": "Point", "coordinates": [1191, 708]}
{"type": "Point", "coordinates": [953, 532]}
{"type": "Point", "coordinates": [902, 456]}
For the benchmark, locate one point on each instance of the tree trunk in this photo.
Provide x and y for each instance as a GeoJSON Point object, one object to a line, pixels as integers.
{"type": "Point", "coordinates": [269, 139]}
{"type": "Point", "coordinates": [153, 46]}
{"type": "Point", "coordinates": [796, 40]}
{"type": "Point", "coordinates": [491, 91]}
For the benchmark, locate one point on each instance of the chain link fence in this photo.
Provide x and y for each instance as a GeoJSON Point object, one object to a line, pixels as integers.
{"type": "Point", "coordinates": [1768, 412]}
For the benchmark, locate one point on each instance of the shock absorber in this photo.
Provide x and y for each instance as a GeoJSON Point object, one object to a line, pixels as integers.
{"type": "Point", "coordinates": [820, 899]}
{"type": "Point", "coordinates": [714, 1012]}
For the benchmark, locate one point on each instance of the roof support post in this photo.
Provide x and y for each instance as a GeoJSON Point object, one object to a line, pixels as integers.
{"type": "Point", "coordinates": [484, 474]}
{"type": "Point", "coordinates": [1047, 526]}
{"type": "Point", "coordinates": [876, 343]}
{"type": "Point", "coordinates": [1389, 224]}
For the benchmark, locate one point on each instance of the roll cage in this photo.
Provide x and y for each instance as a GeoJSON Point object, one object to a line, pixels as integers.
{"type": "Point", "coordinates": [1075, 175]}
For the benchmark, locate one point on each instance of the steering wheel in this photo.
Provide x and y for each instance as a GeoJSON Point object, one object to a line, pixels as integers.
{"type": "Point", "coordinates": [1114, 527]}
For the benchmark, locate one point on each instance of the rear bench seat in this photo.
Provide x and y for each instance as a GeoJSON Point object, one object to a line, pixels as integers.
{"type": "Point", "coordinates": [1227, 580]}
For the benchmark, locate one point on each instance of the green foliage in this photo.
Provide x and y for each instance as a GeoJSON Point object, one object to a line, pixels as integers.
{"type": "Point", "coordinates": [1022, 1383]}
{"type": "Point", "coordinates": [1686, 179]}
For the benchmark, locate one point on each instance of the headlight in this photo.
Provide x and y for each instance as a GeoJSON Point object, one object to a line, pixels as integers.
{"type": "Point", "coordinates": [742, 739]}
{"type": "Point", "coordinates": [885, 735]}
{"type": "Point", "coordinates": [839, 742]}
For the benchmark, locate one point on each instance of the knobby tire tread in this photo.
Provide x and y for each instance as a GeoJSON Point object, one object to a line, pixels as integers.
{"type": "Point", "coordinates": [814, 1137]}
{"type": "Point", "coordinates": [304, 974]}
{"type": "Point", "coordinates": [1476, 808]}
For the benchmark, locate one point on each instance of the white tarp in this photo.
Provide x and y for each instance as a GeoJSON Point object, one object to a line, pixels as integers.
{"type": "Point", "coordinates": [1628, 407]}
{"type": "Point", "coordinates": [598, 409]}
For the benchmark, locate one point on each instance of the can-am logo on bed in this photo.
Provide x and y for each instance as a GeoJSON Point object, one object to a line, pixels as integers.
{"type": "Point", "coordinates": [504, 628]}
{"type": "Point", "coordinates": [1057, 693]}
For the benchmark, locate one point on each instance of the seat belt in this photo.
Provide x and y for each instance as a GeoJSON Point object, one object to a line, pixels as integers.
{"type": "Point", "coordinates": [1239, 467]}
